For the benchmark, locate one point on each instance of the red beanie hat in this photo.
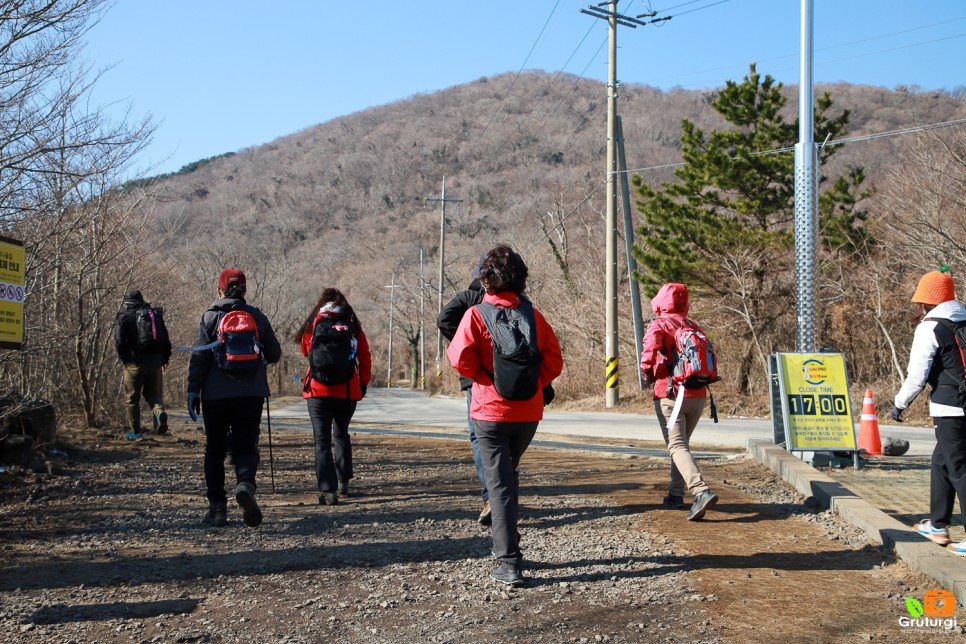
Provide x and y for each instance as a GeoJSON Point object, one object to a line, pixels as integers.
{"type": "Point", "coordinates": [230, 276]}
{"type": "Point", "coordinates": [935, 288]}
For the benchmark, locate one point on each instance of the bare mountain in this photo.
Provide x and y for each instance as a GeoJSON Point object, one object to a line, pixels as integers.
{"type": "Point", "coordinates": [347, 202]}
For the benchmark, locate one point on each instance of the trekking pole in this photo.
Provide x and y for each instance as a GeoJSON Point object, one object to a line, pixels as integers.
{"type": "Point", "coordinates": [271, 457]}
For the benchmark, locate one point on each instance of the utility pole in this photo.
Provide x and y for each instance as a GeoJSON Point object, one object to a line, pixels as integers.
{"type": "Point", "coordinates": [392, 291]}
{"type": "Point", "coordinates": [611, 371]}
{"type": "Point", "coordinates": [422, 318]}
{"type": "Point", "coordinates": [628, 243]}
{"type": "Point", "coordinates": [442, 257]}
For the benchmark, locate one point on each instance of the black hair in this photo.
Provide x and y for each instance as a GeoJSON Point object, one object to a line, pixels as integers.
{"type": "Point", "coordinates": [235, 290]}
{"type": "Point", "coordinates": [503, 270]}
{"type": "Point", "coordinates": [334, 295]}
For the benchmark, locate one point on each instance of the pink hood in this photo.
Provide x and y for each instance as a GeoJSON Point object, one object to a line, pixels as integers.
{"type": "Point", "coordinates": [672, 298]}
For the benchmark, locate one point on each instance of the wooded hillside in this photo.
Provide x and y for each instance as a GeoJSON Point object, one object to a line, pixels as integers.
{"type": "Point", "coordinates": [347, 203]}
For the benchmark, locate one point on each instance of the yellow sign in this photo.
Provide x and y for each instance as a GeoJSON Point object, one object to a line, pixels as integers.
{"type": "Point", "coordinates": [815, 401]}
{"type": "Point", "coordinates": [11, 293]}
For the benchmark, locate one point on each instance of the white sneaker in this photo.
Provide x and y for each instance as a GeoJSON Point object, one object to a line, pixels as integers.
{"type": "Point", "coordinates": [957, 548]}
{"type": "Point", "coordinates": [934, 534]}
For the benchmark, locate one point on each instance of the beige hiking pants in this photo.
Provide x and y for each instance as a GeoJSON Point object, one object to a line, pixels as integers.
{"type": "Point", "coordinates": [684, 471]}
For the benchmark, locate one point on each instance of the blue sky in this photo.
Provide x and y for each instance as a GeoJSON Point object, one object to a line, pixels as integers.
{"type": "Point", "coordinates": [220, 76]}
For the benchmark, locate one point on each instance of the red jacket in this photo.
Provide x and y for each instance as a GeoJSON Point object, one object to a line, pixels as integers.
{"type": "Point", "coordinates": [312, 388]}
{"type": "Point", "coordinates": [471, 354]}
{"type": "Point", "coordinates": [658, 345]}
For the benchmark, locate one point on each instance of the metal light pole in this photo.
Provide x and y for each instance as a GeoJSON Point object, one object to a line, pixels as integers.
{"type": "Point", "coordinates": [806, 195]}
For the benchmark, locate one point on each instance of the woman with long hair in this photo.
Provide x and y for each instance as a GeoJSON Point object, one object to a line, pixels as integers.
{"type": "Point", "coordinates": [339, 370]}
{"type": "Point", "coordinates": [507, 399]}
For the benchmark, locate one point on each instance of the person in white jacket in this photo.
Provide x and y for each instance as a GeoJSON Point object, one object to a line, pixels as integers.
{"type": "Point", "coordinates": [935, 359]}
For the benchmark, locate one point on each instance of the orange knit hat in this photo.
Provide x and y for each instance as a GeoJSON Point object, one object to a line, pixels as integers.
{"type": "Point", "coordinates": [935, 288]}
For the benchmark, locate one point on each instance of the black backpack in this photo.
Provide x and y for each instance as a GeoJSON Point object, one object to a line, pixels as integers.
{"type": "Point", "coordinates": [150, 334]}
{"type": "Point", "coordinates": [958, 330]}
{"type": "Point", "coordinates": [332, 360]}
{"type": "Point", "coordinates": [516, 356]}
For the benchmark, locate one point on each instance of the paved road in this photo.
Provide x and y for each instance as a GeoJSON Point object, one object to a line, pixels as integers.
{"type": "Point", "coordinates": [408, 407]}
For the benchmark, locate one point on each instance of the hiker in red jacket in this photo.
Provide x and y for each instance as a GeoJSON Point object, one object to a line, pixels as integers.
{"type": "Point", "coordinates": [657, 353]}
{"type": "Point", "coordinates": [505, 426]}
{"type": "Point", "coordinates": [332, 391]}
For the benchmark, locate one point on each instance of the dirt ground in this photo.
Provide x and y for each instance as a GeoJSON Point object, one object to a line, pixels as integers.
{"type": "Point", "coordinates": [112, 549]}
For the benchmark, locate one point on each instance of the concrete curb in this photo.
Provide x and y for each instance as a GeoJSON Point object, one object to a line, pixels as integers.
{"type": "Point", "coordinates": [920, 554]}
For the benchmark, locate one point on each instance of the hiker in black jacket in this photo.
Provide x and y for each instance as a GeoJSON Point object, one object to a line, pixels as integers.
{"type": "Point", "coordinates": [447, 322]}
{"type": "Point", "coordinates": [232, 401]}
{"type": "Point", "coordinates": [144, 362]}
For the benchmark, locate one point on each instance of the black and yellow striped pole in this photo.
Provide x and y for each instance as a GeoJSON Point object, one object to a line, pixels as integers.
{"type": "Point", "coordinates": [611, 375]}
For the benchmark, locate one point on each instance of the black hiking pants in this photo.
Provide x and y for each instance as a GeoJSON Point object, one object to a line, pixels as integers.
{"type": "Point", "coordinates": [948, 472]}
{"type": "Point", "coordinates": [242, 417]}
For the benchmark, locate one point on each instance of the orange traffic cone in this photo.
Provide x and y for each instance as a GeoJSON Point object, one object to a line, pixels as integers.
{"type": "Point", "coordinates": [869, 427]}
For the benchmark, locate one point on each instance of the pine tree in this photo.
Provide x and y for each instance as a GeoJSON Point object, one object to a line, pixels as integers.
{"type": "Point", "coordinates": [725, 226]}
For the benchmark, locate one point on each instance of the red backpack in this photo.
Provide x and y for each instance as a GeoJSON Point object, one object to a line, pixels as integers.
{"type": "Point", "coordinates": [693, 363]}
{"type": "Point", "coordinates": [238, 349]}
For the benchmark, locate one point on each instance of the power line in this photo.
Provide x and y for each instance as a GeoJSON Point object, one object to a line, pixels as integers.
{"type": "Point", "coordinates": [842, 141]}
{"type": "Point", "coordinates": [656, 80]}
{"type": "Point", "coordinates": [699, 8]}
{"type": "Point", "coordinates": [513, 82]}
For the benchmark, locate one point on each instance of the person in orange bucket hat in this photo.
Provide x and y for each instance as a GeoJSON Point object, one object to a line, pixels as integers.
{"type": "Point", "coordinates": [935, 359]}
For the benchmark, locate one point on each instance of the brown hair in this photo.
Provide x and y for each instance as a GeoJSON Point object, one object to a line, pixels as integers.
{"type": "Point", "coordinates": [334, 295]}
{"type": "Point", "coordinates": [503, 270]}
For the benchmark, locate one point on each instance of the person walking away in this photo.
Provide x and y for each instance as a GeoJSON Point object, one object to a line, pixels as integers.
{"type": "Point", "coordinates": [936, 359]}
{"type": "Point", "coordinates": [447, 322]}
{"type": "Point", "coordinates": [227, 380]}
{"type": "Point", "coordinates": [144, 348]}
{"type": "Point", "coordinates": [340, 368]}
{"type": "Point", "coordinates": [671, 305]}
{"type": "Point", "coordinates": [508, 400]}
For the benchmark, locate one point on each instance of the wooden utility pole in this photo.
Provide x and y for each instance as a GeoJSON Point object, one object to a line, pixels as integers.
{"type": "Point", "coordinates": [611, 371]}
{"type": "Point", "coordinates": [442, 259]}
{"type": "Point", "coordinates": [392, 292]}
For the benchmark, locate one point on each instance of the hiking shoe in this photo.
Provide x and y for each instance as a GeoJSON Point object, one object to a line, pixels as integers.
{"type": "Point", "coordinates": [251, 513]}
{"type": "Point", "coordinates": [161, 422]}
{"type": "Point", "coordinates": [508, 574]}
{"type": "Point", "coordinates": [674, 502]}
{"type": "Point", "coordinates": [957, 548]}
{"type": "Point", "coordinates": [133, 436]}
{"type": "Point", "coordinates": [702, 503]}
{"type": "Point", "coordinates": [934, 534]}
{"type": "Point", "coordinates": [328, 498]}
{"type": "Point", "coordinates": [486, 514]}
{"type": "Point", "coordinates": [344, 488]}
{"type": "Point", "coordinates": [217, 515]}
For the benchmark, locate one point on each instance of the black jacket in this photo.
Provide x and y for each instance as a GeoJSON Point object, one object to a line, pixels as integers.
{"type": "Point", "coordinates": [125, 338]}
{"type": "Point", "coordinates": [452, 313]}
{"type": "Point", "coordinates": [206, 378]}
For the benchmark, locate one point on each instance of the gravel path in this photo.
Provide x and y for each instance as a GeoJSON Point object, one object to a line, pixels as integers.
{"type": "Point", "coordinates": [113, 550]}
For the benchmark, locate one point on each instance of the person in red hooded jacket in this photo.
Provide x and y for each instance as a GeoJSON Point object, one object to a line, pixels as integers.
{"type": "Point", "coordinates": [330, 404]}
{"type": "Point", "coordinates": [504, 428]}
{"type": "Point", "coordinates": [671, 305]}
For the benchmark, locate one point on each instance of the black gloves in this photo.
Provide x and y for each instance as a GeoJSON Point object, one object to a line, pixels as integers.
{"type": "Point", "coordinates": [897, 414]}
{"type": "Point", "coordinates": [363, 389]}
{"type": "Point", "coordinates": [194, 405]}
{"type": "Point", "coordinates": [548, 395]}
